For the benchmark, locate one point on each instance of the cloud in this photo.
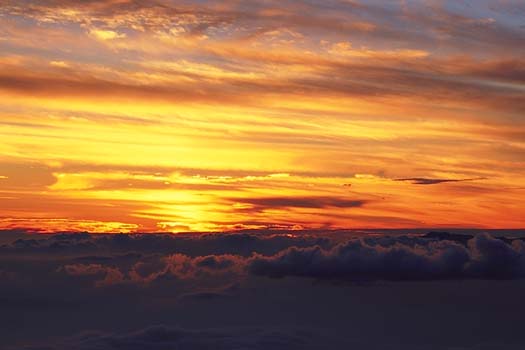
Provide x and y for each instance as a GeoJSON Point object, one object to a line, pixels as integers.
{"type": "Point", "coordinates": [166, 337]}
{"type": "Point", "coordinates": [192, 245]}
{"type": "Point", "coordinates": [484, 257]}
{"type": "Point", "coordinates": [429, 181]}
{"type": "Point", "coordinates": [116, 283]}
{"type": "Point", "coordinates": [430, 22]}
{"type": "Point", "coordinates": [25, 175]}
{"type": "Point", "coordinates": [146, 259]}
{"type": "Point", "coordinates": [111, 275]}
{"type": "Point", "coordinates": [103, 35]}
{"type": "Point", "coordinates": [301, 202]}
{"type": "Point", "coordinates": [160, 337]}
{"type": "Point", "coordinates": [228, 291]}
{"type": "Point", "coordinates": [345, 49]}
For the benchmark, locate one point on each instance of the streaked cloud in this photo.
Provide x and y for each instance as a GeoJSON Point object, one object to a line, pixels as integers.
{"type": "Point", "coordinates": [185, 115]}
{"type": "Point", "coordinates": [425, 181]}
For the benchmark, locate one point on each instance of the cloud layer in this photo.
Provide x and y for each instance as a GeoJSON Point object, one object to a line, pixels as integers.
{"type": "Point", "coordinates": [145, 259]}
{"type": "Point", "coordinates": [162, 337]}
{"type": "Point", "coordinates": [295, 290]}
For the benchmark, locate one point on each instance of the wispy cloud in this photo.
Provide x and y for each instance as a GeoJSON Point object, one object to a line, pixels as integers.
{"type": "Point", "coordinates": [170, 110]}
{"type": "Point", "coordinates": [428, 181]}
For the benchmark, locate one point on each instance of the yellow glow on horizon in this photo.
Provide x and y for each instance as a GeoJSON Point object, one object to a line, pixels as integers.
{"type": "Point", "coordinates": [118, 118]}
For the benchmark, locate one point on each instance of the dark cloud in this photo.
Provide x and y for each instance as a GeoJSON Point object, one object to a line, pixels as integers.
{"type": "Point", "coordinates": [301, 202]}
{"type": "Point", "coordinates": [110, 275]}
{"type": "Point", "coordinates": [89, 87]}
{"type": "Point", "coordinates": [229, 291]}
{"type": "Point", "coordinates": [85, 245]}
{"type": "Point", "coordinates": [429, 181]}
{"type": "Point", "coordinates": [484, 257]}
{"type": "Point", "coordinates": [512, 70]}
{"type": "Point", "coordinates": [161, 337]}
{"type": "Point", "coordinates": [215, 263]}
{"type": "Point", "coordinates": [165, 337]}
{"type": "Point", "coordinates": [116, 283]}
{"type": "Point", "coordinates": [144, 259]}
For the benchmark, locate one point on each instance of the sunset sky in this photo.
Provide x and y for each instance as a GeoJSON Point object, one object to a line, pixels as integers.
{"type": "Point", "coordinates": [262, 174]}
{"type": "Point", "coordinates": [150, 116]}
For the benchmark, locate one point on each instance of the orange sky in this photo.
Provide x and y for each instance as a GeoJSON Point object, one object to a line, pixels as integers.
{"type": "Point", "coordinates": [123, 115]}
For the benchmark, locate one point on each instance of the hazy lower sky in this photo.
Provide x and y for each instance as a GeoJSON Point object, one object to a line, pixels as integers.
{"type": "Point", "coordinates": [127, 115]}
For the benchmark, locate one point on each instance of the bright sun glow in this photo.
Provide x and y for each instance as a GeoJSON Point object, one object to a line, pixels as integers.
{"type": "Point", "coordinates": [197, 118]}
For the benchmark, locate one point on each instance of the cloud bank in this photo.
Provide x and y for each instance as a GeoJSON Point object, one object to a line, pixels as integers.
{"type": "Point", "coordinates": [164, 337]}
{"type": "Point", "coordinates": [254, 290]}
{"type": "Point", "coordinates": [146, 259]}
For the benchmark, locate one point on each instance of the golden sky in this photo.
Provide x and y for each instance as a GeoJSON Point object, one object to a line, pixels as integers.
{"type": "Point", "coordinates": [127, 115]}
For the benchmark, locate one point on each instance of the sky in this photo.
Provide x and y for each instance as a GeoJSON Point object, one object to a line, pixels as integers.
{"type": "Point", "coordinates": [174, 116]}
{"type": "Point", "coordinates": [341, 174]}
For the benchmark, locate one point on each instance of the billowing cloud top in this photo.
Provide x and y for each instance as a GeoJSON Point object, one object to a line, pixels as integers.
{"type": "Point", "coordinates": [124, 116]}
{"type": "Point", "coordinates": [304, 290]}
